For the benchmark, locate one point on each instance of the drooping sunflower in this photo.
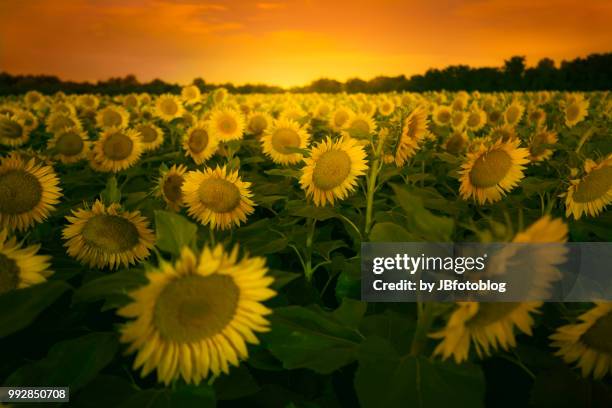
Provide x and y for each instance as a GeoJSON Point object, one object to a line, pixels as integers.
{"type": "Point", "coordinates": [226, 124]}
{"type": "Point", "coordinates": [415, 128]}
{"type": "Point", "coordinates": [151, 136]}
{"type": "Point", "coordinates": [169, 186]}
{"type": "Point", "coordinates": [332, 170]}
{"type": "Point", "coordinates": [489, 326]}
{"type": "Point", "coordinates": [285, 133]}
{"type": "Point", "coordinates": [593, 192]}
{"type": "Point", "coordinates": [69, 145]}
{"type": "Point", "coordinates": [28, 192]}
{"type": "Point", "coordinates": [168, 107]}
{"type": "Point", "coordinates": [588, 343]}
{"type": "Point", "coordinates": [514, 113]}
{"type": "Point", "coordinates": [575, 111]}
{"type": "Point", "coordinates": [195, 317]}
{"type": "Point", "coordinates": [191, 94]}
{"type": "Point", "coordinates": [339, 118]}
{"type": "Point", "coordinates": [442, 115]}
{"type": "Point", "coordinates": [359, 126]}
{"type": "Point", "coordinates": [258, 122]}
{"type": "Point", "coordinates": [13, 131]}
{"type": "Point", "coordinates": [112, 116]}
{"type": "Point", "coordinates": [117, 149]}
{"type": "Point", "coordinates": [217, 197]}
{"type": "Point", "coordinates": [538, 149]}
{"type": "Point", "coordinates": [199, 144]}
{"type": "Point", "coordinates": [20, 267]}
{"type": "Point", "coordinates": [491, 171]}
{"type": "Point", "coordinates": [107, 236]}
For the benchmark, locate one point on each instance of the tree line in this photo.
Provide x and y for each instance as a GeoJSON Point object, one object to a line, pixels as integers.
{"type": "Point", "coordinates": [593, 72]}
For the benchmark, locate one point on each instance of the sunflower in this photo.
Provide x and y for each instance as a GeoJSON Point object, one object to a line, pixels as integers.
{"type": "Point", "coordinates": [360, 126]}
{"type": "Point", "coordinates": [538, 149]}
{"type": "Point", "coordinates": [458, 120]}
{"type": "Point", "coordinates": [191, 94]}
{"type": "Point", "coordinates": [456, 142]}
{"type": "Point", "coordinates": [20, 267]}
{"type": "Point", "coordinates": [219, 95]}
{"type": "Point", "coordinates": [226, 124]}
{"type": "Point", "coordinates": [284, 134]}
{"type": "Point", "coordinates": [87, 102]}
{"type": "Point", "coordinates": [339, 118]}
{"type": "Point", "coordinates": [332, 169]}
{"type": "Point", "coordinates": [488, 326]}
{"type": "Point", "coordinates": [151, 136]}
{"type": "Point", "coordinates": [460, 102]}
{"type": "Point", "coordinates": [514, 113]}
{"type": "Point", "coordinates": [69, 145]}
{"type": "Point", "coordinates": [415, 128]}
{"type": "Point", "coordinates": [13, 131]}
{"type": "Point", "coordinates": [593, 192]}
{"type": "Point", "coordinates": [32, 98]}
{"type": "Point", "coordinates": [117, 149]}
{"type": "Point", "coordinates": [505, 133]}
{"type": "Point", "coordinates": [258, 122]}
{"type": "Point", "coordinates": [575, 111]}
{"type": "Point", "coordinates": [495, 117]}
{"type": "Point", "coordinates": [168, 107]}
{"type": "Point", "coordinates": [367, 108]}
{"type": "Point", "coordinates": [476, 119]}
{"type": "Point", "coordinates": [386, 107]}
{"type": "Point", "coordinates": [199, 144]}
{"type": "Point", "coordinates": [131, 101]}
{"type": "Point", "coordinates": [107, 236]}
{"type": "Point", "coordinates": [491, 171]}
{"type": "Point", "coordinates": [537, 117]}
{"type": "Point", "coordinates": [322, 111]}
{"type": "Point", "coordinates": [442, 115]}
{"type": "Point", "coordinates": [195, 317]}
{"type": "Point", "coordinates": [63, 108]}
{"type": "Point", "coordinates": [169, 186]}
{"type": "Point", "coordinates": [217, 197]}
{"type": "Point", "coordinates": [589, 342]}
{"type": "Point", "coordinates": [28, 192]}
{"type": "Point", "coordinates": [112, 116]}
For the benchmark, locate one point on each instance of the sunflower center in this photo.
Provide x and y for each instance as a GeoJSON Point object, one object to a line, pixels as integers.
{"type": "Point", "coordinates": [572, 112]}
{"type": "Point", "coordinates": [495, 116]}
{"type": "Point", "coordinates": [512, 114]}
{"type": "Point", "coordinates": [340, 118]}
{"type": "Point", "coordinates": [258, 124]}
{"type": "Point", "coordinates": [9, 274]}
{"type": "Point", "coordinates": [148, 134]}
{"type": "Point", "coordinates": [331, 169]}
{"type": "Point", "coordinates": [131, 101]}
{"type": "Point", "coordinates": [284, 138]}
{"type": "Point", "coordinates": [359, 129]}
{"type": "Point", "coordinates": [594, 185]}
{"type": "Point", "coordinates": [227, 124]}
{"type": "Point", "coordinates": [457, 118]}
{"type": "Point", "coordinates": [219, 195]}
{"type": "Point", "coordinates": [490, 168]}
{"type": "Point", "coordinates": [444, 116]}
{"type": "Point", "coordinates": [111, 118]}
{"type": "Point", "coordinates": [473, 119]}
{"type": "Point", "coordinates": [172, 187]}
{"type": "Point", "coordinates": [491, 312]}
{"type": "Point", "coordinates": [118, 146]}
{"type": "Point", "coordinates": [195, 307]}
{"type": "Point", "coordinates": [11, 129]}
{"type": "Point", "coordinates": [169, 107]}
{"type": "Point", "coordinates": [198, 140]}
{"type": "Point", "coordinates": [20, 192]}
{"type": "Point", "coordinates": [599, 335]}
{"type": "Point", "coordinates": [69, 144]}
{"type": "Point", "coordinates": [110, 233]}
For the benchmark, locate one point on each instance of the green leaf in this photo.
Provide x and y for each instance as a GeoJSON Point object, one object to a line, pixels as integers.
{"type": "Point", "coordinates": [350, 312]}
{"type": "Point", "coordinates": [173, 232]}
{"type": "Point", "coordinates": [386, 379]}
{"type": "Point", "coordinates": [201, 396]}
{"type": "Point", "coordinates": [238, 384]}
{"type": "Point", "coordinates": [111, 194]}
{"type": "Point", "coordinates": [310, 211]}
{"type": "Point", "coordinates": [325, 248]}
{"type": "Point", "coordinates": [292, 173]}
{"type": "Point", "coordinates": [397, 329]}
{"type": "Point", "coordinates": [390, 232]}
{"type": "Point", "coordinates": [311, 338]}
{"type": "Point", "coordinates": [71, 363]}
{"type": "Point", "coordinates": [104, 391]}
{"type": "Point", "coordinates": [113, 288]}
{"type": "Point", "coordinates": [282, 278]}
{"type": "Point", "coordinates": [21, 306]}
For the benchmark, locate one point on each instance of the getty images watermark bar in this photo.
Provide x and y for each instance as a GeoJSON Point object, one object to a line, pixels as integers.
{"type": "Point", "coordinates": [498, 272]}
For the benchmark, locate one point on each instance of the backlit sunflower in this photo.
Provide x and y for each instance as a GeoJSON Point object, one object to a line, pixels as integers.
{"type": "Point", "coordinates": [169, 186]}
{"type": "Point", "coordinates": [107, 236]}
{"type": "Point", "coordinates": [226, 124]}
{"type": "Point", "coordinates": [58, 121]}
{"type": "Point", "coordinates": [339, 118]}
{"type": "Point", "coordinates": [514, 113]}
{"type": "Point", "coordinates": [360, 126]}
{"type": "Point", "coordinates": [151, 136]}
{"type": "Point", "coordinates": [117, 149]}
{"type": "Point", "coordinates": [332, 170]}
{"type": "Point", "coordinates": [190, 94]}
{"type": "Point", "coordinates": [69, 145]}
{"type": "Point", "coordinates": [415, 128]}
{"type": "Point", "coordinates": [575, 111]}
{"type": "Point", "coordinates": [258, 122]}
{"type": "Point", "coordinates": [442, 115]}
{"type": "Point", "coordinates": [168, 107]}
{"type": "Point", "coordinates": [198, 143]}
{"type": "Point", "coordinates": [195, 317]}
{"type": "Point", "coordinates": [460, 102]}
{"type": "Point", "coordinates": [476, 119]}
{"type": "Point", "coordinates": [386, 107]}
{"type": "Point", "coordinates": [489, 326]}
{"type": "Point", "coordinates": [593, 192]}
{"type": "Point", "coordinates": [20, 267]}
{"type": "Point", "coordinates": [588, 343]}
{"type": "Point", "coordinates": [283, 134]}
{"type": "Point", "coordinates": [491, 171]}
{"type": "Point", "coordinates": [495, 117]}
{"type": "Point", "coordinates": [538, 149]}
{"type": "Point", "coordinates": [217, 197]}
{"type": "Point", "coordinates": [13, 131]}
{"type": "Point", "coordinates": [28, 192]}
{"type": "Point", "coordinates": [112, 116]}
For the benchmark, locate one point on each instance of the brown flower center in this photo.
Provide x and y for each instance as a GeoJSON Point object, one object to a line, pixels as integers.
{"type": "Point", "coordinates": [490, 168]}
{"type": "Point", "coordinates": [69, 144]}
{"type": "Point", "coordinates": [331, 169]}
{"type": "Point", "coordinates": [20, 192]}
{"type": "Point", "coordinates": [198, 140]}
{"type": "Point", "coordinates": [118, 146]}
{"type": "Point", "coordinates": [110, 233]}
{"type": "Point", "coordinates": [219, 195]}
{"type": "Point", "coordinates": [172, 188]}
{"type": "Point", "coordinates": [594, 185]}
{"type": "Point", "coordinates": [283, 138]}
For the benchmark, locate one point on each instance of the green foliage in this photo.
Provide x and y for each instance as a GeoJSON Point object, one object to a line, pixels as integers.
{"type": "Point", "coordinates": [173, 232]}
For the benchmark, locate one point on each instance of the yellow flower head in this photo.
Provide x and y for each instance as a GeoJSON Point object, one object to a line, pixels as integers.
{"type": "Point", "coordinates": [285, 134]}
{"type": "Point", "coordinates": [20, 267]}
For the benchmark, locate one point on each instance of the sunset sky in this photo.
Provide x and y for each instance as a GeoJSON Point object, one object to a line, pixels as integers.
{"type": "Point", "coordinates": [290, 42]}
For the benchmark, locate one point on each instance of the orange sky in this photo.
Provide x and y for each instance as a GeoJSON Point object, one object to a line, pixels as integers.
{"type": "Point", "coordinates": [289, 42]}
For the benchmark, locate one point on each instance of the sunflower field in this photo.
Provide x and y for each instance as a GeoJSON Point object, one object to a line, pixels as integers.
{"type": "Point", "coordinates": [203, 249]}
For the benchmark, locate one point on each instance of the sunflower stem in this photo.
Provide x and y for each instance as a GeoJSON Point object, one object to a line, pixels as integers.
{"type": "Point", "coordinates": [308, 270]}
{"type": "Point", "coordinates": [424, 320]}
{"type": "Point", "coordinates": [371, 189]}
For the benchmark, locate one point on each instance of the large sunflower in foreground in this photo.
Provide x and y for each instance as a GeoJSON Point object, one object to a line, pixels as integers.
{"type": "Point", "coordinates": [107, 236]}
{"type": "Point", "coordinates": [332, 170]}
{"type": "Point", "coordinates": [28, 192]}
{"type": "Point", "coordinates": [284, 134]}
{"type": "Point", "coordinates": [415, 128]}
{"type": "Point", "coordinates": [492, 171]}
{"type": "Point", "coordinates": [20, 267]}
{"type": "Point", "coordinates": [69, 145]}
{"type": "Point", "coordinates": [195, 317]}
{"type": "Point", "coordinates": [198, 143]}
{"type": "Point", "coordinates": [117, 149]}
{"type": "Point", "coordinates": [593, 192]}
{"type": "Point", "coordinates": [226, 124]}
{"type": "Point", "coordinates": [588, 343]}
{"type": "Point", "coordinates": [169, 186]}
{"type": "Point", "coordinates": [13, 131]}
{"type": "Point", "coordinates": [217, 197]}
{"type": "Point", "coordinates": [168, 107]}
